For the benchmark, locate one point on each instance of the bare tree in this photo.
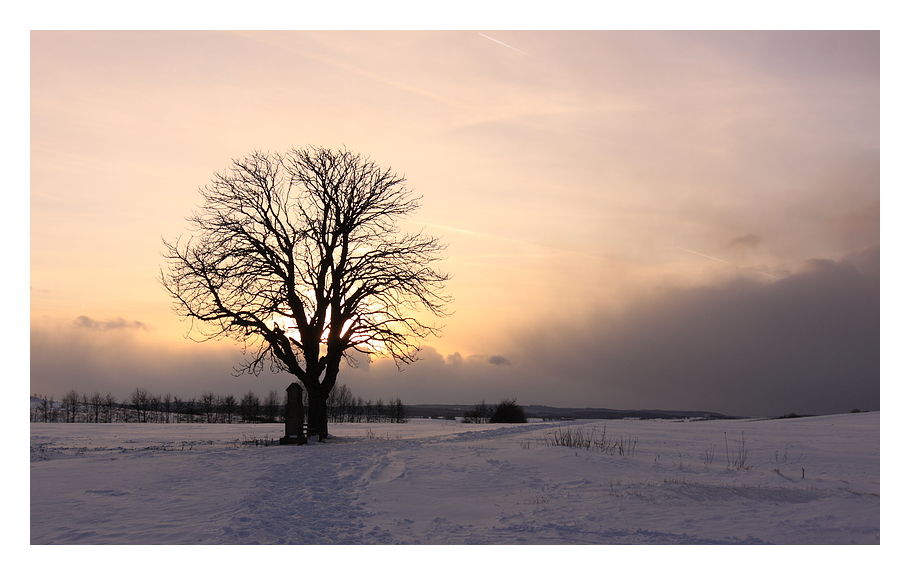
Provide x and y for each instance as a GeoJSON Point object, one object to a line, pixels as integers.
{"type": "Point", "coordinates": [227, 405]}
{"type": "Point", "coordinates": [249, 406]}
{"type": "Point", "coordinates": [480, 414]}
{"type": "Point", "coordinates": [50, 409]}
{"type": "Point", "coordinates": [96, 402]}
{"type": "Point", "coordinates": [178, 408]}
{"type": "Point", "coordinates": [397, 411]}
{"type": "Point", "coordinates": [190, 409]}
{"type": "Point", "coordinates": [140, 402]}
{"type": "Point", "coordinates": [271, 406]}
{"type": "Point", "coordinates": [207, 405]}
{"type": "Point", "coordinates": [44, 408]}
{"type": "Point", "coordinates": [299, 257]}
{"type": "Point", "coordinates": [109, 402]}
{"type": "Point", "coordinates": [166, 406]}
{"type": "Point", "coordinates": [70, 403]}
{"type": "Point", "coordinates": [154, 407]}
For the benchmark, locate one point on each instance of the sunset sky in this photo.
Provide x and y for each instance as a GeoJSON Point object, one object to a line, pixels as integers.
{"type": "Point", "coordinates": [655, 220]}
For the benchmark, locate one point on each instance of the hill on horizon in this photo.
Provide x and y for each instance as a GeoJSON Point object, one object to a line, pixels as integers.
{"type": "Point", "coordinates": [547, 412]}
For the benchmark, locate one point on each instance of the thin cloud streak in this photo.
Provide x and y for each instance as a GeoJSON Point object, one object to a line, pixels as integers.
{"type": "Point", "coordinates": [267, 38]}
{"type": "Point", "coordinates": [504, 44]}
{"type": "Point", "coordinates": [86, 322]}
{"type": "Point", "coordinates": [728, 263]}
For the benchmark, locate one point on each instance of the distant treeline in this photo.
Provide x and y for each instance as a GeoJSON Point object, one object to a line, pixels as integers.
{"type": "Point", "coordinates": [142, 406]}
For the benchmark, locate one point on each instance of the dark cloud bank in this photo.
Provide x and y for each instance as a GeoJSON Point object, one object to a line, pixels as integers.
{"type": "Point", "coordinates": [808, 343]}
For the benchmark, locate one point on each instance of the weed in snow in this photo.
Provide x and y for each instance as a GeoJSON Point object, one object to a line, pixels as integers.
{"type": "Point", "coordinates": [739, 458]}
{"type": "Point", "coordinates": [577, 438]}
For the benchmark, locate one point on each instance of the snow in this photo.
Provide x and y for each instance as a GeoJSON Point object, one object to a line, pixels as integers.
{"type": "Point", "coordinates": [802, 481]}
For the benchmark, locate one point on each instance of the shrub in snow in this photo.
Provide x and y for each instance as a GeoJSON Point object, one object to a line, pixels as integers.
{"type": "Point", "coordinates": [480, 413]}
{"type": "Point", "coordinates": [508, 411]}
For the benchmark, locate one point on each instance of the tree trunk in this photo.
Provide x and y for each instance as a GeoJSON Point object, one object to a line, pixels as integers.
{"type": "Point", "coordinates": [317, 414]}
{"type": "Point", "coordinates": [318, 394]}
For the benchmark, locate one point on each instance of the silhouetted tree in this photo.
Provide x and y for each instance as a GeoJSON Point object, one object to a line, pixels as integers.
{"type": "Point", "coordinates": [96, 402]}
{"type": "Point", "coordinates": [508, 411]}
{"type": "Point", "coordinates": [167, 403]}
{"type": "Point", "coordinates": [139, 401]}
{"type": "Point", "coordinates": [207, 405]}
{"type": "Point", "coordinates": [271, 406]}
{"type": "Point", "coordinates": [44, 408]}
{"type": "Point", "coordinates": [179, 408]}
{"type": "Point", "coordinates": [397, 413]}
{"type": "Point", "coordinates": [299, 257]}
{"type": "Point", "coordinates": [70, 403]}
{"type": "Point", "coordinates": [154, 408]}
{"type": "Point", "coordinates": [227, 405]}
{"type": "Point", "coordinates": [109, 402]}
{"type": "Point", "coordinates": [49, 409]}
{"type": "Point", "coordinates": [249, 406]}
{"type": "Point", "coordinates": [480, 414]}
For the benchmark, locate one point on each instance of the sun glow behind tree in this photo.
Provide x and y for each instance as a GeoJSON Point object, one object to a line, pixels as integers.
{"type": "Point", "coordinates": [300, 258]}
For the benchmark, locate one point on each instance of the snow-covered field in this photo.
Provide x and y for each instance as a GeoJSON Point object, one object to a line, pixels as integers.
{"type": "Point", "coordinates": [787, 481]}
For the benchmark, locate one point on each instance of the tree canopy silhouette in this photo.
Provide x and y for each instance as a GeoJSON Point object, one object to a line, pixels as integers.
{"type": "Point", "coordinates": [299, 257]}
{"type": "Point", "coordinates": [508, 411]}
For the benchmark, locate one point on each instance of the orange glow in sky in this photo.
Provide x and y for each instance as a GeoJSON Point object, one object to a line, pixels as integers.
{"type": "Point", "coordinates": [580, 179]}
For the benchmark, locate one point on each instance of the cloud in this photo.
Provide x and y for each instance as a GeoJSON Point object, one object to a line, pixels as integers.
{"type": "Point", "coordinates": [118, 323]}
{"type": "Point", "coordinates": [98, 359]}
{"type": "Point", "coordinates": [807, 343]}
{"type": "Point", "coordinates": [504, 44]}
{"type": "Point", "coordinates": [748, 240]}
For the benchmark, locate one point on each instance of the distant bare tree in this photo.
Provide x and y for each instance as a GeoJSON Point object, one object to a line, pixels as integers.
{"type": "Point", "coordinates": [166, 405]}
{"type": "Point", "coordinates": [65, 406]}
{"type": "Point", "coordinates": [43, 408]}
{"type": "Point", "coordinates": [154, 408]}
{"type": "Point", "coordinates": [207, 405]}
{"type": "Point", "coordinates": [397, 413]}
{"type": "Point", "coordinates": [109, 402]}
{"type": "Point", "coordinates": [227, 407]}
{"type": "Point", "coordinates": [139, 401]}
{"type": "Point", "coordinates": [96, 402]}
{"type": "Point", "coordinates": [51, 410]}
{"type": "Point", "coordinates": [70, 403]}
{"type": "Point", "coordinates": [178, 408]}
{"type": "Point", "coordinates": [299, 257]}
{"type": "Point", "coordinates": [271, 406]}
{"type": "Point", "coordinates": [480, 414]}
{"type": "Point", "coordinates": [190, 409]}
{"type": "Point", "coordinates": [249, 406]}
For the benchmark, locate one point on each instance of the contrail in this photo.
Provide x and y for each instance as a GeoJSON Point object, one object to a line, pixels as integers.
{"type": "Point", "coordinates": [709, 257]}
{"type": "Point", "coordinates": [271, 41]}
{"type": "Point", "coordinates": [726, 262]}
{"type": "Point", "coordinates": [504, 44]}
